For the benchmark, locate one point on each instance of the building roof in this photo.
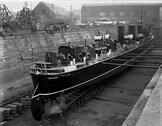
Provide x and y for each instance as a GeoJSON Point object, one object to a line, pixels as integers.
{"type": "Point", "coordinates": [56, 9]}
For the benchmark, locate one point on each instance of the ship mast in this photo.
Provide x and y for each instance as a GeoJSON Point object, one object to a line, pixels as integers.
{"type": "Point", "coordinates": [71, 13]}
{"type": "Point", "coordinates": [141, 14]}
{"type": "Point", "coordinates": [102, 40]}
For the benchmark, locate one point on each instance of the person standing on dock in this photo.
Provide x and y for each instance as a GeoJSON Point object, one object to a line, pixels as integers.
{"type": "Point", "coordinates": [33, 28]}
{"type": "Point", "coordinates": [2, 32]}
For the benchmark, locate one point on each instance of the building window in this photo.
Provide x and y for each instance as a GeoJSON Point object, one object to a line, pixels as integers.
{"type": "Point", "coordinates": [148, 13]}
{"type": "Point", "coordinates": [137, 13]}
{"type": "Point", "coordinates": [102, 14]}
{"type": "Point", "coordinates": [131, 13]}
{"type": "Point", "coordinates": [112, 14]}
{"type": "Point", "coordinates": [122, 14]}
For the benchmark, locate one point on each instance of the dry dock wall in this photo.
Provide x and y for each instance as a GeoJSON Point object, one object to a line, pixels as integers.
{"type": "Point", "coordinates": [15, 80]}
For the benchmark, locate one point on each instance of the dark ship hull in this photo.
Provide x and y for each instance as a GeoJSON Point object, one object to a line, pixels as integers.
{"type": "Point", "coordinates": [55, 84]}
{"type": "Point", "coordinates": [71, 81]}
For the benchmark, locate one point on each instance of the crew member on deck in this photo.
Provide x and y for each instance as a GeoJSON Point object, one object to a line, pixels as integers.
{"type": "Point", "coordinates": [62, 58]}
{"type": "Point", "coordinates": [111, 46]}
{"type": "Point", "coordinates": [69, 58]}
{"type": "Point", "coordinates": [88, 58]}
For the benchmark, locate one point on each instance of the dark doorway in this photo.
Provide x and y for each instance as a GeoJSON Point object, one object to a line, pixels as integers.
{"type": "Point", "coordinates": [120, 34]}
{"type": "Point", "coordinates": [132, 29]}
{"type": "Point", "coordinates": [139, 29]}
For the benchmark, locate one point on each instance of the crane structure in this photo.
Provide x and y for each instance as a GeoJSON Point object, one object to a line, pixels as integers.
{"type": "Point", "coordinates": [25, 17]}
{"type": "Point", "coordinates": [5, 15]}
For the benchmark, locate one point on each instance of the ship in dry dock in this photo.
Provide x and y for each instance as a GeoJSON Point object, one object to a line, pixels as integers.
{"type": "Point", "coordinates": [83, 67]}
{"type": "Point", "coordinates": [19, 51]}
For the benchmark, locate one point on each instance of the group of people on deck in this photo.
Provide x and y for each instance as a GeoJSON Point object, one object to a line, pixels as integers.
{"type": "Point", "coordinates": [127, 42]}
{"type": "Point", "coordinates": [106, 44]}
{"type": "Point", "coordinates": [65, 59]}
{"type": "Point", "coordinates": [131, 40]}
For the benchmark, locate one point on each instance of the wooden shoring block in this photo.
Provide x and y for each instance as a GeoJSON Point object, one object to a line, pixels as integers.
{"type": "Point", "coordinates": [19, 107]}
{"type": "Point", "coordinates": [3, 123]}
{"type": "Point", "coordinates": [2, 114]}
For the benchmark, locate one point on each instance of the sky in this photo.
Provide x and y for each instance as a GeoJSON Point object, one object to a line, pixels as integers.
{"type": "Point", "coordinates": [17, 5]}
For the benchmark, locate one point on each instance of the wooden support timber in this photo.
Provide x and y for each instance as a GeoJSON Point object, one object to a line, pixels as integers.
{"type": "Point", "coordinates": [139, 56]}
{"type": "Point", "coordinates": [142, 54]}
{"type": "Point", "coordinates": [158, 48]}
{"type": "Point", "coordinates": [131, 65]}
{"type": "Point", "coordinates": [137, 61]}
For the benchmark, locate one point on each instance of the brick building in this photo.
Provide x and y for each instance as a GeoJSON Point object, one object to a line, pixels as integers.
{"type": "Point", "coordinates": [128, 12]}
{"type": "Point", "coordinates": [47, 12]}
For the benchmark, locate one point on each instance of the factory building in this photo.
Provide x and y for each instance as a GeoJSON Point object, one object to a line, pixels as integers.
{"type": "Point", "coordinates": [122, 12]}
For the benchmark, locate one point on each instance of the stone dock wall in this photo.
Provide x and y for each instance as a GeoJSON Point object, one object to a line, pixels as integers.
{"type": "Point", "coordinates": [15, 80]}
